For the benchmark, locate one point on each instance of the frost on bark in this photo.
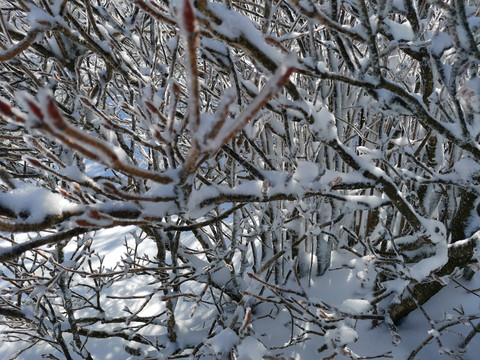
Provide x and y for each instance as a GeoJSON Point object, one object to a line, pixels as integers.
{"type": "Point", "coordinates": [243, 141]}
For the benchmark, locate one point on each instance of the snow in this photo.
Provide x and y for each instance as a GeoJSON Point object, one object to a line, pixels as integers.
{"type": "Point", "coordinates": [469, 95]}
{"type": "Point", "coordinates": [298, 317]}
{"type": "Point", "coordinates": [234, 26]}
{"type": "Point", "coordinates": [222, 342]}
{"type": "Point", "coordinates": [441, 42]}
{"type": "Point", "coordinates": [399, 4]}
{"type": "Point", "coordinates": [337, 286]}
{"type": "Point", "coordinates": [221, 275]}
{"type": "Point", "coordinates": [463, 36]}
{"type": "Point", "coordinates": [355, 306]}
{"type": "Point", "coordinates": [94, 169]}
{"type": "Point", "coordinates": [401, 31]}
{"type": "Point", "coordinates": [38, 15]}
{"type": "Point", "coordinates": [74, 173]}
{"type": "Point", "coordinates": [373, 24]}
{"type": "Point", "coordinates": [463, 171]}
{"type": "Point", "coordinates": [34, 204]}
{"type": "Point", "coordinates": [341, 336]}
{"type": "Point", "coordinates": [324, 125]}
{"type": "Point", "coordinates": [422, 269]}
{"type": "Point", "coordinates": [306, 171]}
{"type": "Point", "coordinates": [250, 349]}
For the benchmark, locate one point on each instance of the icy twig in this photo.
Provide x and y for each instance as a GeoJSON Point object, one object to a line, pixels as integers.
{"type": "Point", "coordinates": [28, 40]}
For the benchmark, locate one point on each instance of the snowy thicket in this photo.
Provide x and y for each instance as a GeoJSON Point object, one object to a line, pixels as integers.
{"type": "Point", "coordinates": [252, 149]}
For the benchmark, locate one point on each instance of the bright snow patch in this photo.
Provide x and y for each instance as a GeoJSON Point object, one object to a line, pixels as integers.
{"type": "Point", "coordinates": [341, 336]}
{"type": "Point", "coordinates": [223, 342]}
{"type": "Point", "coordinates": [400, 31]}
{"type": "Point", "coordinates": [324, 125]}
{"type": "Point", "coordinates": [250, 349]}
{"type": "Point", "coordinates": [34, 204]}
{"type": "Point", "coordinates": [355, 306]}
{"type": "Point", "coordinates": [306, 171]}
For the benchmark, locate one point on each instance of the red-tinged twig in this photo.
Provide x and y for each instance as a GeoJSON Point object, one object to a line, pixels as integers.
{"type": "Point", "coordinates": [247, 319]}
{"type": "Point", "coordinates": [49, 154]}
{"type": "Point", "coordinates": [48, 221]}
{"type": "Point", "coordinates": [107, 222]}
{"type": "Point", "coordinates": [88, 183]}
{"type": "Point", "coordinates": [278, 80]}
{"type": "Point", "coordinates": [53, 123]}
{"type": "Point", "coordinates": [12, 114]}
{"type": "Point", "coordinates": [197, 153]}
{"type": "Point", "coordinates": [189, 28]}
{"type": "Point", "coordinates": [121, 129]}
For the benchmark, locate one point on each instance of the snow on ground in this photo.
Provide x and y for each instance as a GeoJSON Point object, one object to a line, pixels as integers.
{"type": "Point", "coordinates": [339, 287]}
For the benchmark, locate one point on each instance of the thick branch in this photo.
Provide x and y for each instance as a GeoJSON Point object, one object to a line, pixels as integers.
{"type": "Point", "coordinates": [459, 256]}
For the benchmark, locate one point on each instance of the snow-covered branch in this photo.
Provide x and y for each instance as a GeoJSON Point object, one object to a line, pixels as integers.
{"type": "Point", "coordinates": [179, 177]}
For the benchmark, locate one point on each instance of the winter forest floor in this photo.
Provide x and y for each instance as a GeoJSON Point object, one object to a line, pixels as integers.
{"type": "Point", "coordinates": [338, 284]}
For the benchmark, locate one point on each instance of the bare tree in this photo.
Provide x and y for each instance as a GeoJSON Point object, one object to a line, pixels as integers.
{"type": "Point", "coordinates": [271, 132]}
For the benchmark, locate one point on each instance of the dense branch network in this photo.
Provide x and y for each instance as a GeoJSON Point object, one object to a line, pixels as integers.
{"type": "Point", "coordinates": [268, 133]}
